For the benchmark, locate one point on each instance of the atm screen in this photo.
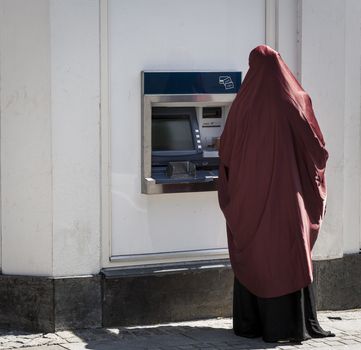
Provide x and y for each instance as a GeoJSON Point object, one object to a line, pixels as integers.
{"type": "Point", "coordinates": [172, 134]}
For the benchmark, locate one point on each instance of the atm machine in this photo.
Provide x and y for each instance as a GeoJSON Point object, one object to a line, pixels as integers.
{"type": "Point", "coordinates": [183, 116]}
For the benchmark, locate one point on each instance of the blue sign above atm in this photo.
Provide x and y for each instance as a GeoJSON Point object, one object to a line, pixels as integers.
{"type": "Point", "coordinates": [179, 83]}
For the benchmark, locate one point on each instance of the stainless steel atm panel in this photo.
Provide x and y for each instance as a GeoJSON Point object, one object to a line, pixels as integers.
{"type": "Point", "coordinates": [183, 116]}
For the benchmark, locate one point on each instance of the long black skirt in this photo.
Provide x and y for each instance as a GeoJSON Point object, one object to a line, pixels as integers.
{"type": "Point", "coordinates": [291, 317]}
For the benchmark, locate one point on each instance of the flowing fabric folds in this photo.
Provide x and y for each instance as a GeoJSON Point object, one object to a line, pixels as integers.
{"type": "Point", "coordinates": [272, 187]}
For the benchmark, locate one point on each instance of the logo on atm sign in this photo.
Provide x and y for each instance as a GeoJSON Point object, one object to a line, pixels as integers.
{"type": "Point", "coordinates": [226, 81]}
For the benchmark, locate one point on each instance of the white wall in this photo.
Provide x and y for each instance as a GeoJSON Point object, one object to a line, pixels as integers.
{"type": "Point", "coordinates": [50, 150]}
{"type": "Point", "coordinates": [323, 77]}
{"type": "Point", "coordinates": [26, 171]}
{"type": "Point", "coordinates": [49, 100]}
{"type": "Point", "coordinates": [327, 34]}
{"type": "Point", "coordinates": [75, 102]}
{"type": "Point", "coordinates": [287, 33]}
{"type": "Point", "coordinates": [352, 132]}
{"type": "Point", "coordinates": [163, 35]}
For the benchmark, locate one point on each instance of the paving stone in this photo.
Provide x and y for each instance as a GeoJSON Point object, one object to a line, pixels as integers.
{"type": "Point", "coordinates": [348, 336]}
{"type": "Point", "coordinates": [212, 334]}
{"type": "Point", "coordinates": [13, 345]}
{"type": "Point", "coordinates": [38, 342]}
{"type": "Point", "coordinates": [318, 340]}
{"type": "Point", "coordinates": [333, 343]}
{"type": "Point", "coordinates": [65, 334]}
{"type": "Point", "coordinates": [74, 340]}
{"type": "Point", "coordinates": [204, 346]}
{"type": "Point", "coordinates": [349, 341]}
{"type": "Point", "coordinates": [47, 347]}
{"type": "Point", "coordinates": [317, 345]}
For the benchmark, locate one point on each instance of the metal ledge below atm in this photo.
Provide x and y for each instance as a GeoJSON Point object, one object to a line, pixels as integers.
{"type": "Point", "coordinates": [150, 186]}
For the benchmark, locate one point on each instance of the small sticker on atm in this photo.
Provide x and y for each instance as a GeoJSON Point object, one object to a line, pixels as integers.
{"type": "Point", "coordinates": [226, 81]}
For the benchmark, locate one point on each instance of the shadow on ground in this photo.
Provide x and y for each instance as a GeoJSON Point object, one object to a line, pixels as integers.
{"type": "Point", "coordinates": [164, 337]}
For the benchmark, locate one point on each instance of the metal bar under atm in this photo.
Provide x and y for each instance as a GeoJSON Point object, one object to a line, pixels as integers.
{"type": "Point", "coordinates": [216, 252]}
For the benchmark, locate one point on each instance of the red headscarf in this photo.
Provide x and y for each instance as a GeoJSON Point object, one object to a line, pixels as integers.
{"type": "Point", "coordinates": [272, 187]}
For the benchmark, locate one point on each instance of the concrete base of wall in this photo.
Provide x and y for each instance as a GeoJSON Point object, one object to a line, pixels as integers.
{"type": "Point", "coordinates": [174, 293]}
{"type": "Point", "coordinates": [49, 304]}
{"type": "Point", "coordinates": [151, 294]}
{"type": "Point", "coordinates": [338, 283]}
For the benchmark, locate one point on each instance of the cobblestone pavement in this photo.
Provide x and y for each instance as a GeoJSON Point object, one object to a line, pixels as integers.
{"type": "Point", "coordinates": [194, 335]}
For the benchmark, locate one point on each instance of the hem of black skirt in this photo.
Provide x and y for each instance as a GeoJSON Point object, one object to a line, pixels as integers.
{"type": "Point", "coordinates": [247, 335]}
{"type": "Point", "coordinates": [285, 340]}
{"type": "Point", "coordinates": [325, 334]}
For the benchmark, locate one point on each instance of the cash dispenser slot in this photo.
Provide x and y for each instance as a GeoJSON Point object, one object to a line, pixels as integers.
{"type": "Point", "coordinates": [182, 120]}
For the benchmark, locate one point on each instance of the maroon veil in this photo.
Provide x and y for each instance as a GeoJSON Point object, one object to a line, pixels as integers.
{"type": "Point", "coordinates": [272, 187]}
